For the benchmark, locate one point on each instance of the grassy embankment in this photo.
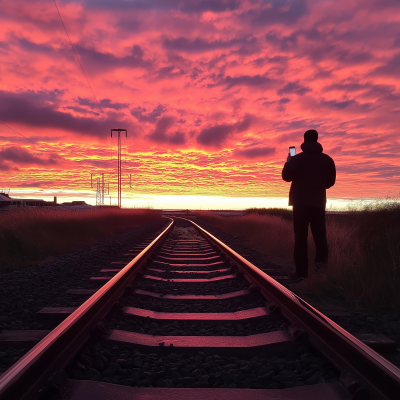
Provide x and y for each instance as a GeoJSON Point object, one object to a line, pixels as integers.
{"type": "Point", "coordinates": [364, 264]}
{"type": "Point", "coordinates": [30, 236]}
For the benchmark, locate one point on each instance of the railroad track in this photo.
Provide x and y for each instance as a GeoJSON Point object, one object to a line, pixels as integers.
{"type": "Point", "coordinates": [184, 315]}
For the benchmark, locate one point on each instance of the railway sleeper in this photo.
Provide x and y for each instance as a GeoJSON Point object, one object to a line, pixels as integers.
{"type": "Point", "coordinates": [275, 364]}
{"type": "Point", "coordinates": [83, 390]}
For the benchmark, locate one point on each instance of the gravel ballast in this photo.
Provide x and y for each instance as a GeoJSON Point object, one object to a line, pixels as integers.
{"type": "Point", "coordinates": [24, 292]}
{"type": "Point", "coordinates": [125, 365]}
{"type": "Point", "coordinates": [380, 322]}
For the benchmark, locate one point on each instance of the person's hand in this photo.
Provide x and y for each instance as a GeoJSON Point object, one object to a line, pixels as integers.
{"type": "Point", "coordinates": [289, 157]}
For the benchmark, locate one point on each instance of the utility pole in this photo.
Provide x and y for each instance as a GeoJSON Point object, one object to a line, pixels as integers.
{"type": "Point", "coordinates": [100, 188]}
{"type": "Point", "coordinates": [119, 161]}
{"type": "Point", "coordinates": [98, 192]}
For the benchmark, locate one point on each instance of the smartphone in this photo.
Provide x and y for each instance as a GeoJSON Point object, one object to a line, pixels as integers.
{"type": "Point", "coordinates": [292, 151]}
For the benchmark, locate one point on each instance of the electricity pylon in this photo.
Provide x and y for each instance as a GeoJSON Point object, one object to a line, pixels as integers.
{"type": "Point", "coordinates": [100, 189]}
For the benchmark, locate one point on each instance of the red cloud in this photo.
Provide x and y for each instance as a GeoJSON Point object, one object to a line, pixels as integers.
{"type": "Point", "coordinates": [21, 157]}
{"type": "Point", "coordinates": [176, 73]}
{"type": "Point", "coordinates": [215, 136]}
{"type": "Point", "coordinates": [161, 134]}
{"type": "Point", "coordinates": [254, 152]}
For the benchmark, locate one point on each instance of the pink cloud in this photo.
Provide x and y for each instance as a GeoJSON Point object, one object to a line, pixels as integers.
{"type": "Point", "coordinates": [15, 156]}
{"type": "Point", "coordinates": [186, 76]}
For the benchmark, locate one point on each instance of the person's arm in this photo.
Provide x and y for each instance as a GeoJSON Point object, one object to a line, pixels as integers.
{"type": "Point", "coordinates": [331, 178]}
{"type": "Point", "coordinates": [287, 171]}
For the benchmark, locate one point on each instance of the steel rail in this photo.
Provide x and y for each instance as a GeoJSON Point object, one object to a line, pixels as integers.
{"type": "Point", "coordinates": [372, 371]}
{"type": "Point", "coordinates": [39, 369]}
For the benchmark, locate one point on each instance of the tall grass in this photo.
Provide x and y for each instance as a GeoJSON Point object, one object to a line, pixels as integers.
{"type": "Point", "coordinates": [277, 212]}
{"type": "Point", "coordinates": [268, 234]}
{"type": "Point", "coordinates": [29, 236]}
{"type": "Point", "coordinates": [364, 245]}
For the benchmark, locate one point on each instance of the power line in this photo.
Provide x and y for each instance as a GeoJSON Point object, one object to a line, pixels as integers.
{"type": "Point", "coordinates": [83, 71]}
{"type": "Point", "coordinates": [87, 80]}
{"type": "Point", "coordinates": [80, 64]}
{"type": "Point", "coordinates": [9, 127]}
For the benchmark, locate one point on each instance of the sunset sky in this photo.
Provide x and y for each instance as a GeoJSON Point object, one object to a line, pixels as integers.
{"type": "Point", "coordinates": [212, 93]}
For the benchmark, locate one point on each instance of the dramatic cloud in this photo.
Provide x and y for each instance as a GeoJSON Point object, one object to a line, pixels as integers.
{"type": "Point", "coordinates": [21, 156]}
{"type": "Point", "coordinates": [201, 45]}
{"type": "Point", "coordinates": [6, 167]}
{"type": "Point", "coordinates": [284, 43]}
{"type": "Point", "coordinates": [142, 115]}
{"type": "Point", "coordinates": [187, 6]}
{"type": "Point", "coordinates": [216, 136]}
{"type": "Point", "coordinates": [160, 134]}
{"type": "Point", "coordinates": [209, 5]}
{"type": "Point", "coordinates": [18, 109]}
{"type": "Point", "coordinates": [293, 88]}
{"type": "Point", "coordinates": [98, 61]}
{"type": "Point", "coordinates": [209, 90]}
{"type": "Point", "coordinates": [390, 67]}
{"type": "Point", "coordinates": [36, 184]}
{"type": "Point", "coordinates": [340, 105]}
{"type": "Point", "coordinates": [275, 12]}
{"type": "Point", "coordinates": [32, 47]}
{"type": "Point", "coordinates": [254, 152]}
{"type": "Point", "coordinates": [104, 103]}
{"type": "Point", "coordinates": [245, 80]}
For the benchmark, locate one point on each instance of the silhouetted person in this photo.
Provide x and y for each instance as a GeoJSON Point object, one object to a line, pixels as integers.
{"type": "Point", "coordinates": [311, 173]}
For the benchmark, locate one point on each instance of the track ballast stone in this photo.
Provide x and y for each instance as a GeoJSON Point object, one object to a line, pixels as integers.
{"type": "Point", "coordinates": [380, 322]}
{"type": "Point", "coordinates": [26, 291]}
{"type": "Point", "coordinates": [126, 365]}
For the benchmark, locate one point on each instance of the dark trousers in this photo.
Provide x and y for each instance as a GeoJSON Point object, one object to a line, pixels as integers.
{"type": "Point", "coordinates": [315, 217]}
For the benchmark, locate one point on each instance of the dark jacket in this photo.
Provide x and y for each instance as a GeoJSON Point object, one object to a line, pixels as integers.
{"type": "Point", "coordinates": [311, 173]}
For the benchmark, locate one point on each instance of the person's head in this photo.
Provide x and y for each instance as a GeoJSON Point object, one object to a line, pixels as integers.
{"type": "Point", "coordinates": [311, 135]}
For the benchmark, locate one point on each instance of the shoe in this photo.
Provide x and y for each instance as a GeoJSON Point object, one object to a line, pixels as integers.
{"type": "Point", "coordinates": [297, 278]}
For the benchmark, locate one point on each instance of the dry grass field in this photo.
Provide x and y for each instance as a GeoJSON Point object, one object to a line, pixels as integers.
{"type": "Point", "coordinates": [364, 263]}
{"type": "Point", "coordinates": [29, 236]}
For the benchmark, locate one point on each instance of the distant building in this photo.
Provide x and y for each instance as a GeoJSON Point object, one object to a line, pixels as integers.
{"type": "Point", "coordinates": [6, 200]}
{"type": "Point", "coordinates": [30, 202]}
{"type": "Point", "coordinates": [74, 203]}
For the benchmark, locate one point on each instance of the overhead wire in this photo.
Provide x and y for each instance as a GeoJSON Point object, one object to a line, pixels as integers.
{"type": "Point", "coordinates": [9, 127]}
{"type": "Point", "coordinates": [35, 144]}
{"type": "Point", "coordinates": [80, 64]}
{"type": "Point", "coordinates": [38, 147]}
{"type": "Point", "coordinates": [84, 73]}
